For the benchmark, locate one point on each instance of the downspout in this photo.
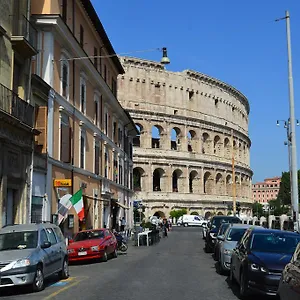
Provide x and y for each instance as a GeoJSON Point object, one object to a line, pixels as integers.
{"type": "Point", "coordinates": [74, 102]}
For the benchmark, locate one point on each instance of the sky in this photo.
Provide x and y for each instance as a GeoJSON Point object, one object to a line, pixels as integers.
{"type": "Point", "coordinates": [235, 41]}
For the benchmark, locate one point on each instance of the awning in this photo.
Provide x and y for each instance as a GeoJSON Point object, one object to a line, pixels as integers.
{"type": "Point", "coordinates": [122, 205]}
{"type": "Point", "coordinates": [95, 198]}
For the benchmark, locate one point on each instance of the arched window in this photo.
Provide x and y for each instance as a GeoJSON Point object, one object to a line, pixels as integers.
{"type": "Point", "coordinates": [137, 139]}
{"type": "Point", "coordinates": [205, 143]}
{"type": "Point", "coordinates": [175, 138]}
{"type": "Point", "coordinates": [219, 184]}
{"type": "Point", "coordinates": [157, 176]}
{"type": "Point", "coordinates": [192, 141]}
{"type": "Point", "coordinates": [217, 145]}
{"type": "Point", "coordinates": [227, 148]}
{"type": "Point", "coordinates": [208, 183]}
{"type": "Point", "coordinates": [175, 178]}
{"type": "Point", "coordinates": [192, 181]}
{"type": "Point", "coordinates": [137, 179]}
{"type": "Point", "coordinates": [156, 133]}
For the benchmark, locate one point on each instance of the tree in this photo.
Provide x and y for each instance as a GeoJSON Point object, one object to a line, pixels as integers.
{"type": "Point", "coordinates": [284, 193]}
{"type": "Point", "coordinates": [277, 207]}
{"type": "Point", "coordinates": [257, 209]}
{"type": "Point", "coordinates": [178, 213]}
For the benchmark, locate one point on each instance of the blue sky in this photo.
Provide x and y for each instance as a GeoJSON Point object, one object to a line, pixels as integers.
{"type": "Point", "coordinates": [235, 41]}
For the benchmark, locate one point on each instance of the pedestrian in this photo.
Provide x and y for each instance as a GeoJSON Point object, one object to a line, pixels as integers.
{"type": "Point", "coordinates": [123, 224]}
{"type": "Point", "coordinates": [165, 227]}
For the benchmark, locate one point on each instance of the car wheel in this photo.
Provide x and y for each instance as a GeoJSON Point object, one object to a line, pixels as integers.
{"type": "Point", "coordinates": [243, 286]}
{"type": "Point", "coordinates": [64, 273]}
{"type": "Point", "coordinates": [124, 247]}
{"type": "Point", "coordinates": [185, 225]}
{"type": "Point", "coordinates": [38, 281]}
{"type": "Point", "coordinates": [115, 253]}
{"type": "Point", "coordinates": [105, 257]}
{"type": "Point", "coordinates": [220, 268]}
{"type": "Point", "coordinates": [206, 249]}
{"type": "Point", "coordinates": [231, 276]}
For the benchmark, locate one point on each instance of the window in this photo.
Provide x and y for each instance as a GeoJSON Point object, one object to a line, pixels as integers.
{"type": "Point", "coordinates": [106, 123]}
{"type": "Point", "coordinates": [81, 41]}
{"type": "Point", "coordinates": [96, 116]}
{"type": "Point", "coordinates": [114, 87]}
{"type": "Point", "coordinates": [59, 235]}
{"type": "Point", "coordinates": [64, 73]}
{"type": "Point", "coordinates": [191, 95]}
{"type": "Point", "coordinates": [43, 237]}
{"type": "Point", "coordinates": [97, 157]}
{"type": "Point", "coordinates": [114, 131]}
{"type": "Point", "coordinates": [82, 148]}
{"type": "Point", "coordinates": [105, 73]}
{"type": "Point", "coordinates": [116, 169]}
{"type": "Point", "coordinates": [96, 58]}
{"type": "Point", "coordinates": [65, 139]}
{"type": "Point", "coordinates": [82, 95]}
{"type": "Point", "coordinates": [51, 236]}
{"type": "Point", "coordinates": [106, 163]}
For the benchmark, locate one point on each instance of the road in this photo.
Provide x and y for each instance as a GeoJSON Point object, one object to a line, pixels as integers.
{"type": "Point", "coordinates": [175, 268]}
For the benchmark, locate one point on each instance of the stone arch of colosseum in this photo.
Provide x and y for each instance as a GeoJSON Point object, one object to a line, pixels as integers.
{"type": "Point", "coordinates": [190, 127]}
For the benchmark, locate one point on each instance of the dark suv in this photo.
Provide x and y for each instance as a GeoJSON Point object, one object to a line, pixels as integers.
{"type": "Point", "coordinates": [213, 229]}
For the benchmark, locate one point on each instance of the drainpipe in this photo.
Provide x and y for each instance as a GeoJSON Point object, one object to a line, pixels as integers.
{"type": "Point", "coordinates": [73, 115]}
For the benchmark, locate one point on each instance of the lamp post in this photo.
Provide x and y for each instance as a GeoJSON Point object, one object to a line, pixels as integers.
{"type": "Point", "coordinates": [293, 153]}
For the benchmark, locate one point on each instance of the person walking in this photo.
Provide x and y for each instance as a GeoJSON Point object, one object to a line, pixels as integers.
{"type": "Point", "coordinates": [165, 227]}
{"type": "Point", "coordinates": [123, 224]}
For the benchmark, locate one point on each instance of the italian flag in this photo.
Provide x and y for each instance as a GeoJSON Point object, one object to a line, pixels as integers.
{"type": "Point", "coordinates": [77, 202]}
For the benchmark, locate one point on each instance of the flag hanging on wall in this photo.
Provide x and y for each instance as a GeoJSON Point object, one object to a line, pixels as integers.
{"type": "Point", "coordinates": [63, 207]}
{"type": "Point", "coordinates": [77, 202]}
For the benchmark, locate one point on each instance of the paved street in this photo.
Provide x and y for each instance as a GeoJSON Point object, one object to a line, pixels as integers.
{"type": "Point", "coordinates": [176, 268]}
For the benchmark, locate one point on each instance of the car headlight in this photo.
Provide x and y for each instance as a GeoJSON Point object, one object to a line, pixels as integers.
{"type": "Point", "coordinates": [16, 264]}
{"type": "Point", "coordinates": [213, 235]}
{"type": "Point", "coordinates": [227, 252]}
{"type": "Point", "coordinates": [95, 248]}
{"type": "Point", "coordinates": [71, 251]}
{"type": "Point", "coordinates": [256, 268]}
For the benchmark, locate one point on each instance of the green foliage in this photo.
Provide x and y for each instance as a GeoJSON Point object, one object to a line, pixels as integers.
{"type": "Point", "coordinates": [146, 224]}
{"type": "Point", "coordinates": [277, 207]}
{"type": "Point", "coordinates": [194, 213]}
{"type": "Point", "coordinates": [257, 209]}
{"type": "Point", "coordinates": [284, 194]}
{"type": "Point", "coordinates": [178, 213]}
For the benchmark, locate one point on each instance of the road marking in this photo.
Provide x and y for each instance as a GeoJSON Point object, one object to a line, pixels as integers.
{"type": "Point", "coordinates": [66, 287]}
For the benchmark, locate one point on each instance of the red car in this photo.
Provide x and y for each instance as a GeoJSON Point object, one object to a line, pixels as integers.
{"type": "Point", "coordinates": [92, 244]}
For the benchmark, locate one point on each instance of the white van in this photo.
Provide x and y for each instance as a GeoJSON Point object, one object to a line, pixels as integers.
{"type": "Point", "coordinates": [191, 220]}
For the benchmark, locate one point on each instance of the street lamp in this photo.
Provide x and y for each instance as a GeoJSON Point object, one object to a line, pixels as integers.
{"type": "Point", "coordinates": [293, 152]}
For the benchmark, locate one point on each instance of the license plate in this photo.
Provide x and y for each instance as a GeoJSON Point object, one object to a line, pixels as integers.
{"type": "Point", "coordinates": [82, 253]}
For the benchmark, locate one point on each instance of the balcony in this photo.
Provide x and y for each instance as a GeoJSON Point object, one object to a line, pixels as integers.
{"type": "Point", "coordinates": [24, 36]}
{"type": "Point", "coordinates": [15, 106]}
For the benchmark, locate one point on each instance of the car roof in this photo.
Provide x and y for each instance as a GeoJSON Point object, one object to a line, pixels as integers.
{"type": "Point", "coordinates": [96, 229]}
{"type": "Point", "coordinates": [246, 226]}
{"type": "Point", "coordinates": [225, 217]}
{"type": "Point", "coordinates": [26, 227]}
{"type": "Point", "coordinates": [267, 230]}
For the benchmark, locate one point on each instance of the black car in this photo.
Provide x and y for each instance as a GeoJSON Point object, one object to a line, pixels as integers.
{"type": "Point", "coordinates": [289, 286]}
{"type": "Point", "coordinates": [219, 241]}
{"type": "Point", "coordinates": [259, 259]}
{"type": "Point", "coordinates": [213, 229]}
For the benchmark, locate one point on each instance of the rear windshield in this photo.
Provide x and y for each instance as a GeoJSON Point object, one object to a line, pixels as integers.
{"type": "Point", "coordinates": [89, 235]}
{"type": "Point", "coordinates": [235, 234]}
{"type": "Point", "coordinates": [223, 228]}
{"type": "Point", "coordinates": [274, 242]}
{"type": "Point", "coordinates": [18, 240]}
{"type": "Point", "coordinates": [216, 222]}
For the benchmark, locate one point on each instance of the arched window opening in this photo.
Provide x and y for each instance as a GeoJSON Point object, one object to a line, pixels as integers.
{"type": "Point", "coordinates": [206, 143]}
{"type": "Point", "coordinates": [137, 139]}
{"type": "Point", "coordinates": [157, 175]}
{"type": "Point", "coordinates": [207, 215]}
{"type": "Point", "coordinates": [159, 214]}
{"type": "Point", "coordinates": [137, 179]}
{"type": "Point", "coordinates": [220, 213]}
{"type": "Point", "coordinates": [217, 145]}
{"type": "Point", "coordinates": [175, 180]}
{"type": "Point", "coordinates": [208, 183]}
{"type": "Point", "coordinates": [156, 133]}
{"type": "Point", "coordinates": [219, 184]}
{"type": "Point", "coordinates": [227, 148]}
{"type": "Point", "coordinates": [192, 141]}
{"type": "Point", "coordinates": [192, 180]}
{"type": "Point", "coordinates": [229, 185]}
{"type": "Point", "coordinates": [240, 152]}
{"type": "Point", "coordinates": [175, 138]}
{"type": "Point", "coordinates": [237, 187]}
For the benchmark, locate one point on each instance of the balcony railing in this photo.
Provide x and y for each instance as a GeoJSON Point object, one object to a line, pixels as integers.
{"type": "Point", "coordinates": [24, 35]}
{"type": "Point", "coordinates": [15, 106]}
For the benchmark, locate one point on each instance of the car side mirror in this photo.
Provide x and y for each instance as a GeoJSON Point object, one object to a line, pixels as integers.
{"type": "Point", "coordinates": [221, 237]}
{"type": "Point", "coordinates": [71, 241]}
{"type": "Point", "coordinates": [46, 245]}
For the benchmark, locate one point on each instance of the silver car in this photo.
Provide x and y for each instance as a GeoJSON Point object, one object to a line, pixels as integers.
{"type": "Point", "coordinates": [231, 237]}
{"type": "Point", "coordinates": [30, 253]}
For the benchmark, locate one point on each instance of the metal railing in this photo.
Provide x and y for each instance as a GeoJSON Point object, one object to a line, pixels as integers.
{"type": "Point", "coordinates": [21, 26]}
{"type": "Point", "coordinates": [15, 106]}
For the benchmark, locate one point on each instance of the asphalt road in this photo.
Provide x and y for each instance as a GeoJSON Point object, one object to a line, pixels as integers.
{"type": "Point", "coordinates": [175, 268]}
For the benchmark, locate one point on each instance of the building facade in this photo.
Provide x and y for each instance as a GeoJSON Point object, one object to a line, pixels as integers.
{"type": "Point", "coordinates": [190, 127]}
{"type": "Point", "coordinates": [17, 48]}
{"type": "Point", "coordinates": [85, 133]}
{"type": "Point", "coordinates": [267, 190]}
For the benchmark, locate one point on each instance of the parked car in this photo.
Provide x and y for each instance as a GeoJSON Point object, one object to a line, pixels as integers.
{"type": "Point", "coordinates": [191, 220]}
{"type": "Point", "coordinates": [289, 286]}
{"type": "Point", "coordinates": [179, 221]}
{"type": "Point", "coordinates": [231, 237]}
{"type": "Point", "coordinates": [30, 253]}
{"type": "Point", "coordinates": [219, 239]}
{"type": "Point", "coordinates": [204, 230]}
{"type": "Point", "coordinates": [213, 228]}
{"type": "Point", "coordinates": [259, 259]}
{"type": "Point", "coordinates": [93, 244]}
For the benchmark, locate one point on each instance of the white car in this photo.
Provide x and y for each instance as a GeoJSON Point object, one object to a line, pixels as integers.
{"type": "Point", "coordinates": [179, 221]}
{"type": "Point", "coordinates": [191, 220]}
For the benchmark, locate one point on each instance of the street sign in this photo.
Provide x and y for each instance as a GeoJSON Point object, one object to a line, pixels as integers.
{"type": "Point", "coordinates": [62, 182]}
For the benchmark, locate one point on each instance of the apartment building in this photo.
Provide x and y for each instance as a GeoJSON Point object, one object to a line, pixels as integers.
{"type": "Point", "coordinates": [17, 48]}
{"type": "Point", "coordinates": [85, 133]}
{"type": "Point", "coordinates": [267, 190]}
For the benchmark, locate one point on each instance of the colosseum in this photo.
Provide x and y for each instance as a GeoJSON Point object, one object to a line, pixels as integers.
{"type": "Point", "coordinates": [191, 127]}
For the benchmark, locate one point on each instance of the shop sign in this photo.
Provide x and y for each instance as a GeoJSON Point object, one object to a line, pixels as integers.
{"type": "Point", "coordinates": [62, 182]}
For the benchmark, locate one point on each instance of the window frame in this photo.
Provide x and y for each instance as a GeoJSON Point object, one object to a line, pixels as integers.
{"type": "Point", "coordinates": [83, 100]}
{"type": "Point", "coordinates": [97, 144]}
{"type": "Point", "coordinates": [82, 162]}
{"type": "Point", "coordinates": [64, 63]}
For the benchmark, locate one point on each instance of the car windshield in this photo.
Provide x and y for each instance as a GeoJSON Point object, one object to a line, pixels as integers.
{"type": "Point", "coordinates": [274, 242]}
{"type": "Point", "coordinates": [223, 228]}
{"type": "Point", "coordinates": [235, 234]}
{"type": "Point", "coordinates": [18, 240]}
{"type": "Point", "coordinates": [216, 222]}
{"type": "Point", "coordinates": [89, 235]}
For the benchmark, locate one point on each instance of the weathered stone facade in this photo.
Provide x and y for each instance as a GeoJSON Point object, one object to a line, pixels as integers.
{"type": "Point", "coordinates": [200, 123]}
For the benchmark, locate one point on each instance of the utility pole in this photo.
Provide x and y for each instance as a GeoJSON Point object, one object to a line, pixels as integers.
{"type": "Point", "coordinates": [292, 137]}
{"type": "Point", "coordinates": [233, 176]}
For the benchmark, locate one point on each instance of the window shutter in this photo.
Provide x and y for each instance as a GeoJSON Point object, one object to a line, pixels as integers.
{"type": "Point", "coordinates": [65, 145]}
{"type": "Point", "coordinates": [41, 125]}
